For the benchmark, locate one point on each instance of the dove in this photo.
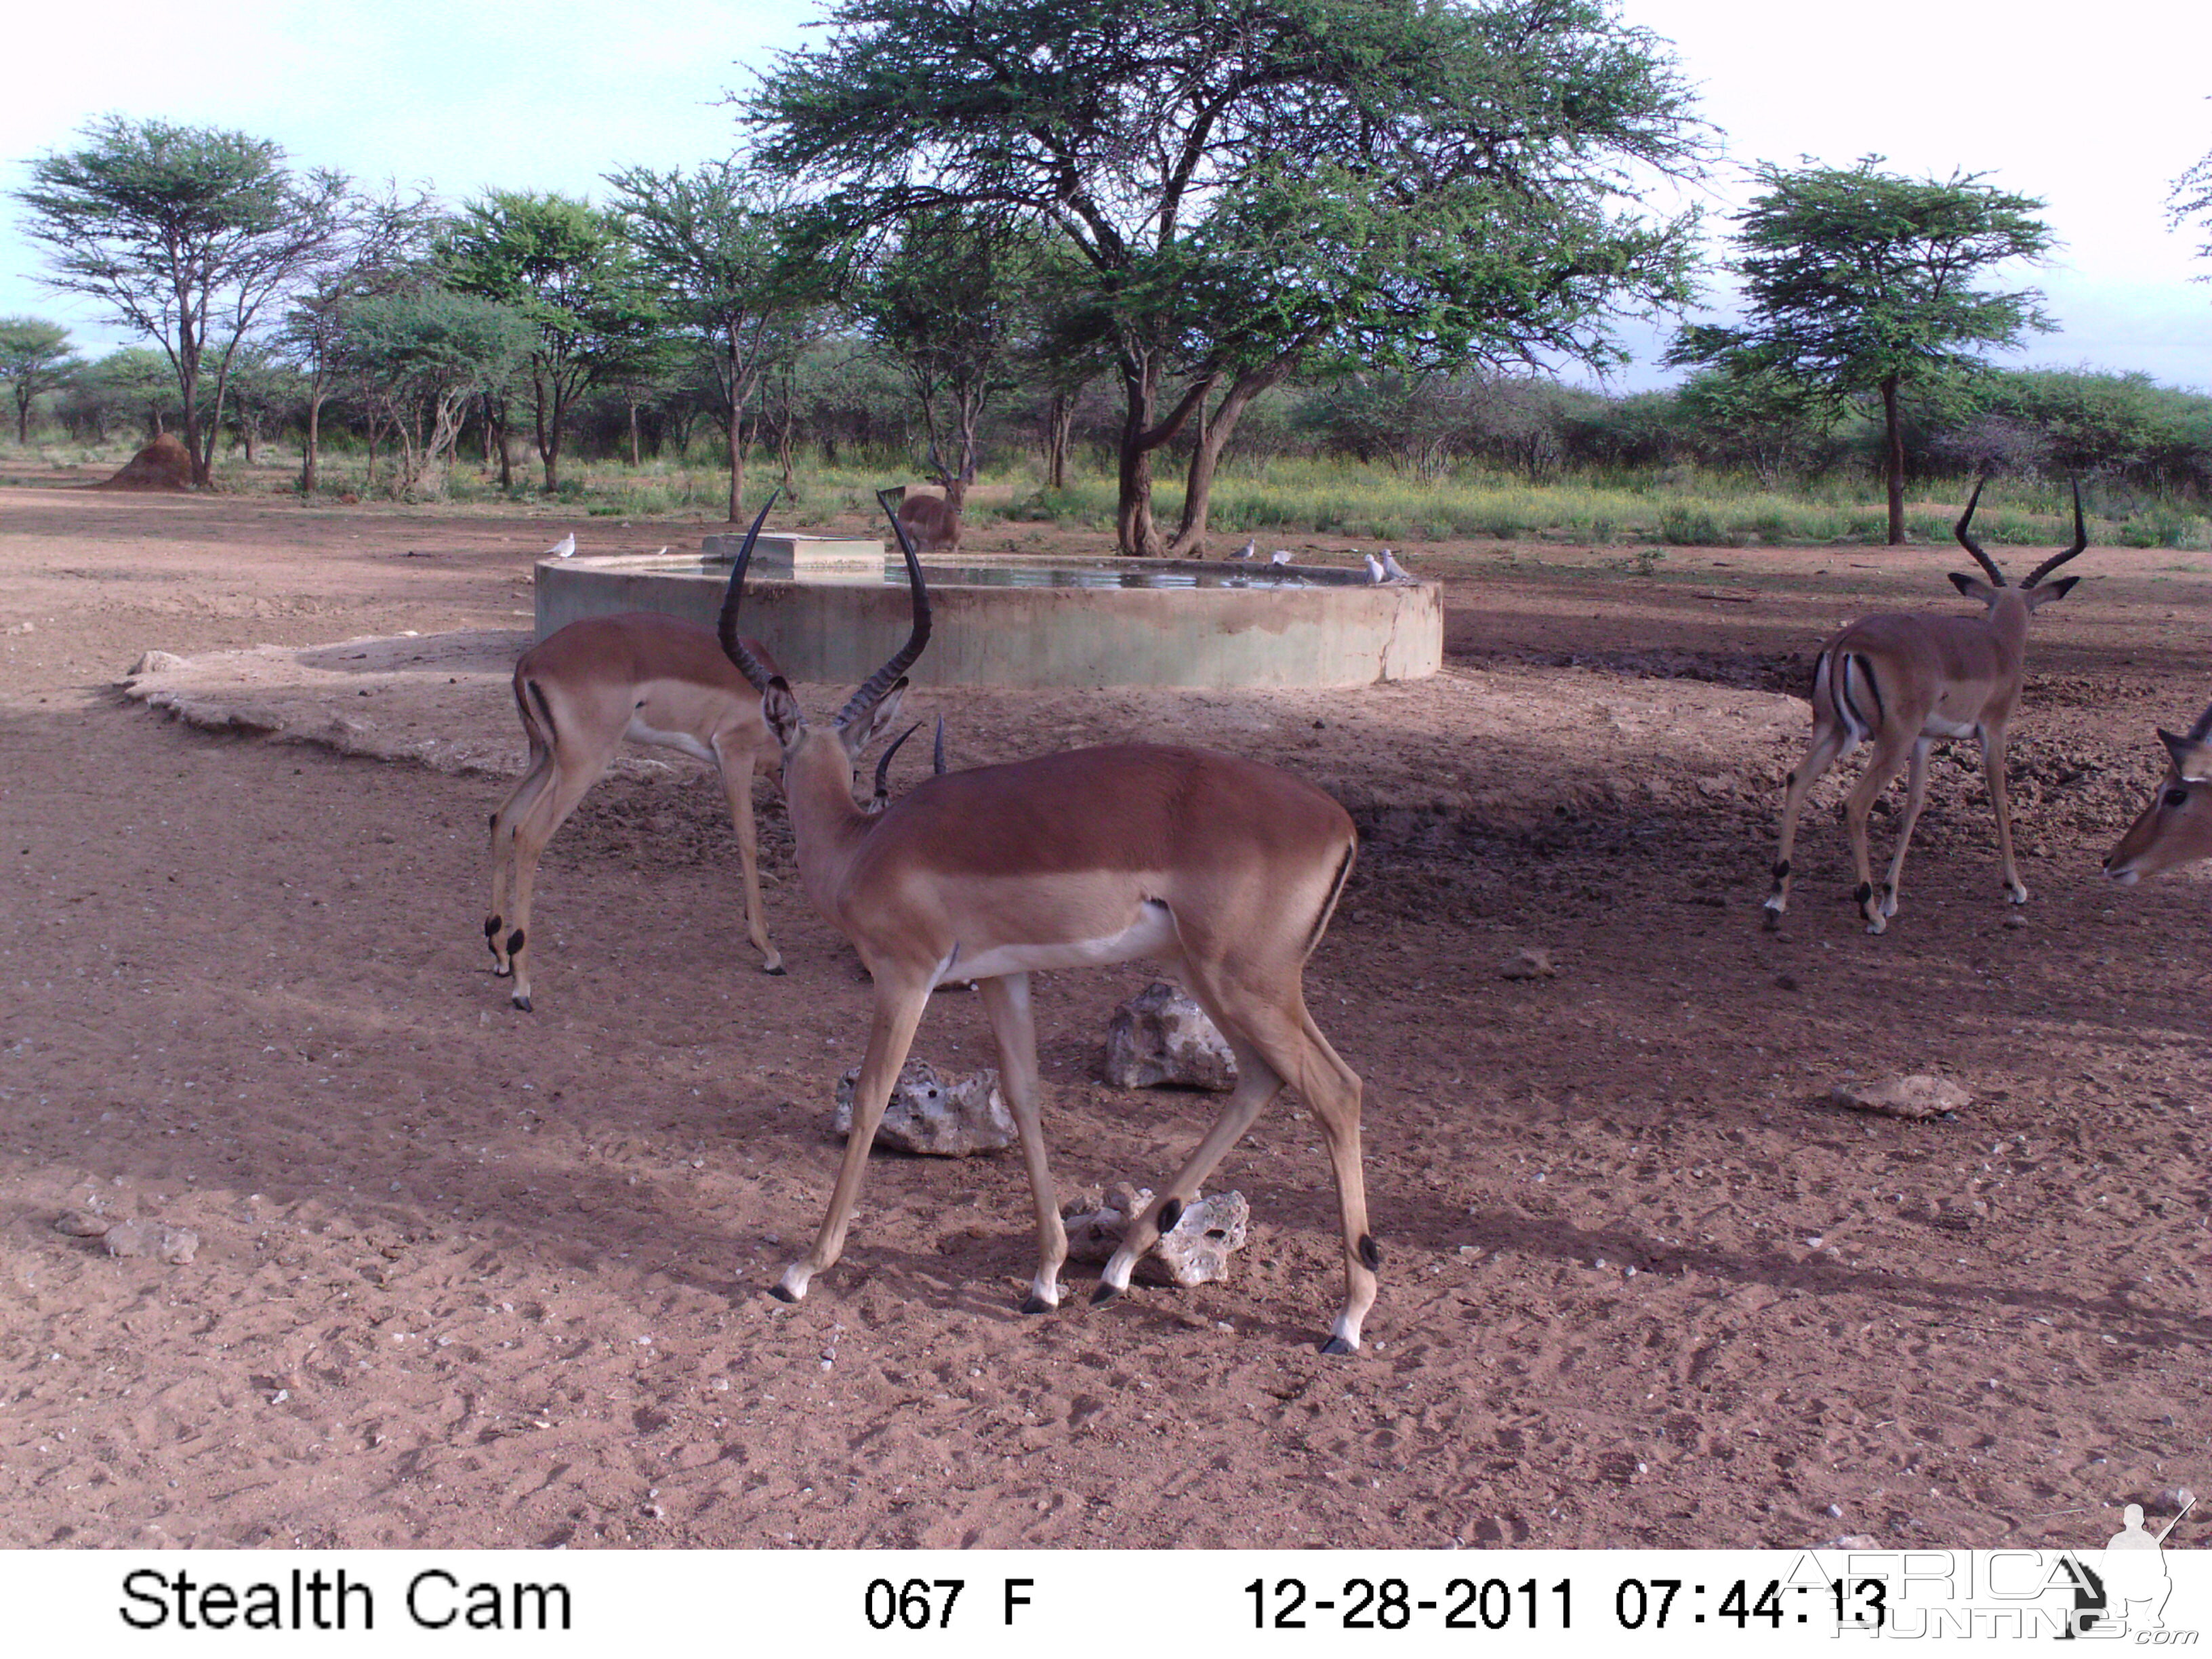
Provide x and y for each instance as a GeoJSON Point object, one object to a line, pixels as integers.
{"type": "Point", "coordinates": [1374, 568]}
{"type": "Point", "coordinates": [1394, 571]}
{"type": "Point", "coordinates": [1247, 550]}
{"type": "Point", "coordinates": [563, 549]}
{"type": "Point", "coordinates": [1280, 555]}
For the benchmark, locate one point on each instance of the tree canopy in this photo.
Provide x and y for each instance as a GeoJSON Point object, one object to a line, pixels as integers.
{"type": "Point", "coordinates": [564, 265]}
{"type": "Point", "coordinates": [1251, 182]}
{"type": "Point", "coordinates": [1858, 283]}
{"type": "Point", "coordinates": [185, 233]}
{"type": "Point", "coordinates": [35, 357]}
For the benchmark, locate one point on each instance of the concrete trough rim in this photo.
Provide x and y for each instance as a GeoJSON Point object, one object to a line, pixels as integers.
{"type": "Point", "coordinates": [1332, 628]}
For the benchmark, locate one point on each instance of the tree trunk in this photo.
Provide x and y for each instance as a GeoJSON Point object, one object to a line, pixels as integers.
{"type": "Point", "coordinates": [1894, 459]}
{"type": "Point", "coordinates": [1136, 535]}
{"type": "Point", "coordinates": [549, 441]}
{"type": "Point", "coordinates": [737, 465]}
{"type": "Point", "coordinates": [633, 437]}
{"type": "Point", "coordinates": [22, 414]}
{"type": "Point", "coordinates": [310, 449]}
{"type": "Point", "coordinates": [1059, 424]}
{"type": "Point", "coordinates": [1189, 542]}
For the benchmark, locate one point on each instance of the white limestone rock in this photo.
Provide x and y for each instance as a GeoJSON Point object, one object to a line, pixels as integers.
{"type": "Point", "coordinates": [934, 1114]}
{"type": "Point", "coordinates": [1163, 1037]}
{"type": "Point", "coordinates": [1917, 1096]}
{"type": "Point", "coordinates": [1195, 1251]}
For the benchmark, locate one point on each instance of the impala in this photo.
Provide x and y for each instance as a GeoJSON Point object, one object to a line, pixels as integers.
{"type": "Point", "coordinates": [1903, 683]}
{"type": "Point", "coordinates": [1224, 871]}
{"type": "Point", "coordinates": [934, 521]}
{"type": "Point", "coordinates": [649, 678]}
{"type": "Point", "coordinates": [2176, 828]}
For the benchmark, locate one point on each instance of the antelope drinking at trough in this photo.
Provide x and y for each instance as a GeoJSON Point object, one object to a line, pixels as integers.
{"type": "Point", "coordinates": [1902, 683]}
{"type": "Point", "coordinates": [1224, 870]}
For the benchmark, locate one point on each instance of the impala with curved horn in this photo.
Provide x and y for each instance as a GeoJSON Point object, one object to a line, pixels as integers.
{"type": "Point", "coordinates": [2176, 828]}
{"type": "Point", "coordinates": [1224, 870]}
{"type": "Point", "coordinates": [1904, 682]}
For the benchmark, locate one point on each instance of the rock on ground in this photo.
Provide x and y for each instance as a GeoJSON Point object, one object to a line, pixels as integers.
{"type": "Point", "coordinates": [1916, 1097]}
{"type": "Point", "coordinates": [937, 1116]}
{"type": "Point", "coordinates": [1195, 1251]}
{"type": "Point", "coordinates": [1161, 1035]}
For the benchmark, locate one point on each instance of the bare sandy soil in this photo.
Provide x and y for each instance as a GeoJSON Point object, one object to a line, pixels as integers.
{"type": "Point", "coordinates": [471, 1277]}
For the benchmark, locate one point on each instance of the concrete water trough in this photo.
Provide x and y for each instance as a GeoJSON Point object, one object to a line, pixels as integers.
{"type": "Point", "coordinates": [841, 608]}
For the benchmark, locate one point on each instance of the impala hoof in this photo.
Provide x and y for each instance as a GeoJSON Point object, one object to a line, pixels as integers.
{"type": "Point", "coordinates": [1104, 1293]}
{"type": "Point", "coordinates": [781, 1294]}
{"type": "Point", "coordinates": [523, 1003]}
{"type": "Point", "coordinates": [1034, 1303]}
{"type": "Point", "coordinates": [777, 969]}
{"type": "Point", "coordinates": [1337, 1345]}
{"type": "Point", "coordinates": [1774, 922]}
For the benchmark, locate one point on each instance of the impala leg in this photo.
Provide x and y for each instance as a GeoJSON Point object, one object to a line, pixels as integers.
{"type": "Point", "coordinates": [545, 813]}
{"type": "Point", "coordinates": [737, 767]}
{"type": "Point", "coordinates": [518, 802]}
{"type": "Point", "coordinates": [1827, 744]}
{"type": "Point", "coordinates": [1993, 770]}
{"type": "Point", "coordinates": [898, 1012]}
{"type": "Point", "coordinates": [1888, 759]}
{"type": "Point", "coordinates": [1006, 1001]}
{"type": "Point", "coordinates": [1276, 1041]}
{"type": "Point", "coordinates": [1916, 795]}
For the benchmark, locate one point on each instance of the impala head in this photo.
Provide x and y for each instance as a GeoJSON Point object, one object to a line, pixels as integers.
{"type": "Point", "coordinates": [2030, 594]}
{"type": "Point", "coordinates": [2176, 828]}
{"type": "Point", "coordinates": [810, 750]}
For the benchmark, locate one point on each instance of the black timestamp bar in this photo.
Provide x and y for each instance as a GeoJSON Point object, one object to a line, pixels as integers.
{"type": "Point", "coordinates": [1464, 1603]}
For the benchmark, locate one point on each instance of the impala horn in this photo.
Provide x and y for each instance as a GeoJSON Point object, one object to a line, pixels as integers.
{"type": "Point", "coordinates": [1996, 576]}
{"type": "Point", "coordinates": [882, 680]}
{"type": "Point", "coordinates": [2081, 541]}
{"type": "Point", "coordinates": [883, 769]}
{"type": "Point", "coordinates": [733, 647]}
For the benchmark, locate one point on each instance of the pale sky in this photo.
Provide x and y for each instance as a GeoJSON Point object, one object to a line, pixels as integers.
{"type": "Point", "coordinates": [2095, 109]}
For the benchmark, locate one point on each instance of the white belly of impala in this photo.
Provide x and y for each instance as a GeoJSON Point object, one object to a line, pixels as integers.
{"type": "Point", "coordinates": [641, 732]}
{"type": "Point", "coordinates": [1936, 726]}
{"type": "Point", "coordinates": [1152, 934]}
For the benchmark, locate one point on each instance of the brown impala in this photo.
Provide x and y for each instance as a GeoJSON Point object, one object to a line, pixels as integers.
{"type": "Point", "coordinates": [649, 678]}
{"type": "Point", "coordinates": [1905, 682]}
{"type": "Point", "coordinates": [1223, 870]}
{"type": "Point", "coordinates": [2176, 828]}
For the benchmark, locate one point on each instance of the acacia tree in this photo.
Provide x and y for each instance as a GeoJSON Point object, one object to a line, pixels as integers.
{"type": "Point", "coordinates": [1252, 182]}
{"type": "Point", "coordinates": [566, 267]}
{"type": "Point", "coordinates": [35, 357]}
{"type": "Point", "coordinates": [715, 242]}
{"type": "Point", "coordinates": [379, 246]}
{"type": "Point", "coordinates": [185, 233]}
{"type": "Point", "coordinates": [1859, 285]}
{"type": "Point", "coordinates": [2191, 198]}
{"type": "Point", "coordinates": [950, 303]}
{"type": "Point", "coordinates": [416, 358]}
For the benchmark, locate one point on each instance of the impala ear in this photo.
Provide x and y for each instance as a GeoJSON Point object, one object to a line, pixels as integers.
{"type": "Point", "coordinates": [857, 734]}
{"type": "Point", "coordinates": [2050, 591]}
{"type": "Point", "coordinates": [780, 712]}
{"type": "Point", "coordinates": [2192, 756]}
{"type": "Point", "coordinates": [1973, 587]}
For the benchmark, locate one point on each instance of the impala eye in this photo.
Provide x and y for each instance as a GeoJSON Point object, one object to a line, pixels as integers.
{"type": "Point", "coordinates": [2177, 797]}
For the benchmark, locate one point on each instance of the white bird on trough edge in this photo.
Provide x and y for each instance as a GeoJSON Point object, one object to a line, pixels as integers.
{"type": "Point", "coordinates": [1394, 571]}
{"type": "Point", "coordinates": [1280, 555]}
{"type": "Point", "coordinates": [1374, 568]}
{"type": "Point", "coordinates": [563, 549]}
{"type": "Point", "coordinates": [663, 549]}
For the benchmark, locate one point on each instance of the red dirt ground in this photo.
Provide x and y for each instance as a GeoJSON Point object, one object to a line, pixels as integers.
{"type": "Point", "coordinates": [468, 1277]}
